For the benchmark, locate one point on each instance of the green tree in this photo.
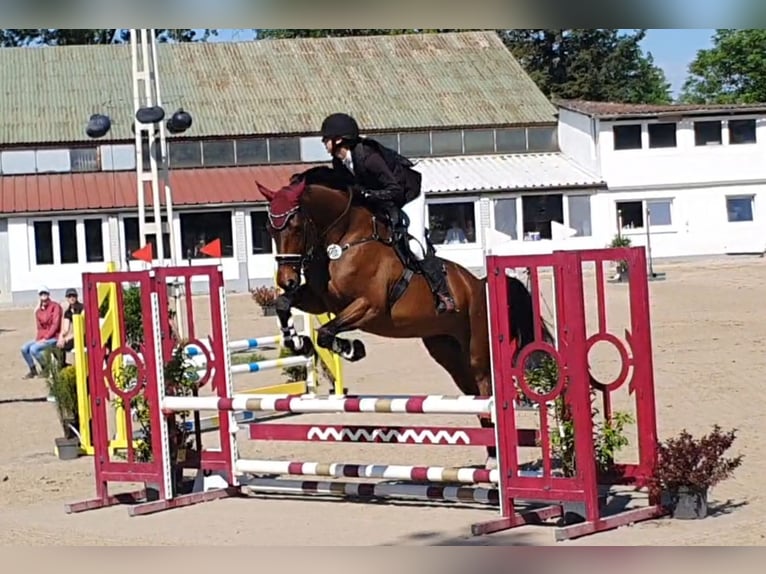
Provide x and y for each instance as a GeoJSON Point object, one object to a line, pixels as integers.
{"type": "Point", "coordinates": [79, 36]}
{"type": "Point", "coordinates": [599, 64]}
{"type": "Point", "coordinates": [732, 71]}
{"type": "Point", "coordinates": [593, 64]}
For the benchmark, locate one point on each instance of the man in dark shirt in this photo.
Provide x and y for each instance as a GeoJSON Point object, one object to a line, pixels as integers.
{"type": "Point", "coordinates": [66, 337]}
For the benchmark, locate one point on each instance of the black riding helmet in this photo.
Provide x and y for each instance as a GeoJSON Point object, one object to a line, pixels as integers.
{"type": "Point", "coordinates": [340, 126]}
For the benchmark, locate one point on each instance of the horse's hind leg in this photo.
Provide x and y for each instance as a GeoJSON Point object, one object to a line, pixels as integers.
{"type": "Point", "coordinates": [448, 352]}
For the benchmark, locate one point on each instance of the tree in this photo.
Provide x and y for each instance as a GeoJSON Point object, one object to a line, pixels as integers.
{"type": "Point", "coordinates": [593, 64]}
{"type": "Point", "coordinates": [79, 36]}
{"type": "Point", "coordinates": [732, 71]}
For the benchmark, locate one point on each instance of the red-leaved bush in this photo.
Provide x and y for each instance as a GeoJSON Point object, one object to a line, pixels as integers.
{"type": "Point", "coordinates": [696, 464]}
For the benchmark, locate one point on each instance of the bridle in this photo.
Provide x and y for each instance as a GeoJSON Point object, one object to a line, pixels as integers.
{"type": "Point", "coordinates": [312, 238]}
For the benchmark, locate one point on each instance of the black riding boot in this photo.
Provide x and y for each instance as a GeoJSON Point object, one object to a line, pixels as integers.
{"type": "Point", "coordinates": [435, 274]}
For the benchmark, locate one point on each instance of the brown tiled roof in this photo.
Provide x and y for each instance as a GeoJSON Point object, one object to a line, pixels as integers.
{"type": "Point", "coordinates": [613, 110]}
{"type": "Point", "coordinates": [117, 190]}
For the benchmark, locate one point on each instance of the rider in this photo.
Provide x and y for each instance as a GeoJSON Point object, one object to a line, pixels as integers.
{"type": "Point", "coordinates": [387, 183]}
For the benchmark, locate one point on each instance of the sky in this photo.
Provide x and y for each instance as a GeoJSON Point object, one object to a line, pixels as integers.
{"type": "Point", "coordinates": [673, 49]}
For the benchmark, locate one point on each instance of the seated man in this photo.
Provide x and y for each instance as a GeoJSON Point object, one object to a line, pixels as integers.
{"type": "Point", "coordinates": [48, 325]}
{"type": "Point", "coordinates": [66, 336]}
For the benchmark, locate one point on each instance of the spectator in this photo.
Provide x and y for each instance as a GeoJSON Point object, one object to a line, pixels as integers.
{"type": "Point", "coordinates": [48, 324]}
{"type": "Point", "coordinates": [455, 234]}
{"type": "Point", "coordinates": [66, 337]}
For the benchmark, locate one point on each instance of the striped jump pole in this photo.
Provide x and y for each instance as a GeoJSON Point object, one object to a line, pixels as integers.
{"type": "Point", "coordinates": [240, 346]}
{"type": "Point", "coordinates": [477, 495]}
{"type": "Point", "coordinates": [425, 404]}
{"type": "Point", "coordinates": [266, 365]}
{"type": "Point", "coordinates": [385, 471]}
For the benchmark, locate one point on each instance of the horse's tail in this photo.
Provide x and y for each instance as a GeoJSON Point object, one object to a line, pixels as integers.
{"type": "Point", "coordinates": [522, 314]}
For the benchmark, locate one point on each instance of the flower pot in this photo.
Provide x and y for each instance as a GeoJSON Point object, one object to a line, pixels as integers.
{"type": "Point", "coordinates": [68, 448]}
{"type": "Point", "coordinates": [689, 503]}
{"type": "Point", "coordinates": [269, 311]}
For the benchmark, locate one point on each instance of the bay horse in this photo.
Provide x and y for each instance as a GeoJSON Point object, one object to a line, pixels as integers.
{"type": "Point", "coordinates": [353, 270]}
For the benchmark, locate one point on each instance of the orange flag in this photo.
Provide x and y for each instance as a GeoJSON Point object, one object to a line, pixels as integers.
{"type": "Point", "coordinates": [146, 253]}
{"type": "Point", "coordinates": [212, 249]}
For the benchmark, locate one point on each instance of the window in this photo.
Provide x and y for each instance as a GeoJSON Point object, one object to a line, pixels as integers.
{"type": "Point", "coordinates": [252, 152]}
{"type": "Point", "coordinates": [511, 140]}
{"type": "Point", "coordinates": [662, 135]}
{"type": "Point", "coordinates": [659, 212]}
{"type": "Point", "coordinates": [389, 140]}
{"type": "Point", "coordinates": [742, 132]}
{"type": "Point", "coordinates": [415, 144]}
{"type": "Point", "coordinates": [542, 139]}
{"type": "Point", "coordinates": [452, 223]}
{"type": "Point", "coordinates": [627, 137]}
{"type": "Point", "coordinates": [68, 240]}
{"type": "Point", "coordinates": [184, 154]}
{"type": "Point", "coordinates": [94, 241]}
{"type": "Point", "coordinates": [479, 141]}
{"type": "Point", "coordinates": [633, 213]}
{"type": "Point", "coordinates": [43, 242]}
{"type": "Point", "coordinates": [199, 229]}
{"type": "Point", "coordinates": [707, 133]}
{"type": "Point", "coordinates": [579, 214]}
{"type": "Point", "coordinates": [539, 211]}
{"type": "Point", "coordinates": [218, 153]}
{"type": "Point", "coordinates": [447, 143]}
{"type": "Point", "coordinates": [505, 217]}
{"type": "Point", "coordinates": [284, 150]}
{"type": "Point", "coordinates": [739, 208]}
{"type": "Point", "coordinates": [84, 159]}
{"type": "Point", "coordinates": [133, 242]}
{"type": "Point", "coordinates": [262, 243]}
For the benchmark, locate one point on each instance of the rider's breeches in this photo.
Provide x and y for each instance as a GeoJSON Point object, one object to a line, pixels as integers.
{"type": "Point", "coordinates": [416, 211]}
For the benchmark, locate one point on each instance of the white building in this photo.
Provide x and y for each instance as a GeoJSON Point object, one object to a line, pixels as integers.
{"type": "Point", "coordinates": [699, 170]}
{"type": "Point", "coordinates": [485, 135]}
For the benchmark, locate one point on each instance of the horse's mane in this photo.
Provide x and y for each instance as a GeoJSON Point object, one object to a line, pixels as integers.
{"type": "Point", "coordinates": [324, 176]}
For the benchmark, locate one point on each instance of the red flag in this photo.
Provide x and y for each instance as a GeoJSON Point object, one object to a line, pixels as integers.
{"type": "Point", "coordinates": [213, 249]}
{"type": "Point", "coordinates": [144, 254]}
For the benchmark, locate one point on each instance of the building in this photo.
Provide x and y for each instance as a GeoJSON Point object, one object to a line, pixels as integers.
{"type": "Point", "coordinates": [485, 136]}
{"type": "Point", "coordinates": [698, 170]}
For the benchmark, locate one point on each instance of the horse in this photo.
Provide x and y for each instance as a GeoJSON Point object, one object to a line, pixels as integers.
{"type": "Point", "coordinates": [353, 269]}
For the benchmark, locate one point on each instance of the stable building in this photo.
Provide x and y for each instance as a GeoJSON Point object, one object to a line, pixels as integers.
{"type": "Point", "coordinates": [484, 136]}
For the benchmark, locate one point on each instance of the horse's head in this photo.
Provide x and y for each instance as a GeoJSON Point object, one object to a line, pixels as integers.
{"type": "Point", "coordinates": [302, 215]}
{"type": "Point", "coordinates": [289, 227]}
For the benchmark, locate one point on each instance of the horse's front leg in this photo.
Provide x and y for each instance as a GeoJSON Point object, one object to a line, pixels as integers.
{"type": "Point", "coordinates": [307, 301]}
{"type": "Point", "coordinates": [359, 312]}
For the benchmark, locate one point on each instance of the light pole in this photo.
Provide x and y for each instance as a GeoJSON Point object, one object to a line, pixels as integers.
{"type": "Point", "coordinates": [149, 128]}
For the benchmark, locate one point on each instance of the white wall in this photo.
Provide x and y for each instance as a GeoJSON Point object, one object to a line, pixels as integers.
{"type": "Point", "coordinates": [577, 138]}
{"type": "Point", "coordinates": [684, 164]}
{"type": "Point", "coordinates": [699, 223]}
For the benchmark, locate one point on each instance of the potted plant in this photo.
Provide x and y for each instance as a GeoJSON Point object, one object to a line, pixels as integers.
{"type": "Point", "coordinates": [688, 467]}
{"type": "Point", "coordinates": [266, 297]}
{"type": "Point", "coordinates": [621, 273]}
{"type": "Point", "coordinates": [62, 386]}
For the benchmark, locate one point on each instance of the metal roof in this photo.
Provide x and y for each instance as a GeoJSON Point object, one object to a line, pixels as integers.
{"type": "Point", "coordinates": [263, 87]}
{"type": "Point", "coordinates": [534, 171]}
{"type": "Point", "coordinates": [46, 193]}
{"type": "Point", "coordinates": [615, 110]}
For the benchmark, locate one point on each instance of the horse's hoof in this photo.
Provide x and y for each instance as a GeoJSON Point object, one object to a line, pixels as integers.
{"type": "Point", "coordinates": [358, 352]}
{"type": "Point", "coordinates": [307, 347]}
{"type": "Point", "coordinates": [491, 463]}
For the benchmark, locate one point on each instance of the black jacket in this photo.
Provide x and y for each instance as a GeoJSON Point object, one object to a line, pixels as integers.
{"type": "Point", "coordinates": [382, 174]}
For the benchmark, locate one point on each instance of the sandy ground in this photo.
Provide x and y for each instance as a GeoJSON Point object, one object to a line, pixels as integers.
{"type": "Point", "coordinates": [709, 323]}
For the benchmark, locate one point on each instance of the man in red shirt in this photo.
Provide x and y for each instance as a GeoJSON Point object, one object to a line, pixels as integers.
{"type": "Point", "coordinates": [48, 322]}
